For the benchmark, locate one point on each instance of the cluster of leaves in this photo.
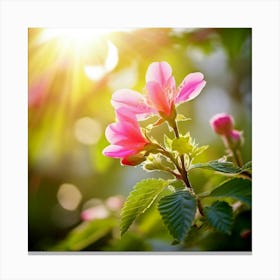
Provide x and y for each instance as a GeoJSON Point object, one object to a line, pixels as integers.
{"type": "Point", "coordinates": [178, 206]}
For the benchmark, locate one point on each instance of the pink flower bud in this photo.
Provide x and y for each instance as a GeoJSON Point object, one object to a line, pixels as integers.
{"type": "Point", "coordinates": [236, 135]}
{"type": "Point", "coordinates": [235, 138]}
{"type": "Point", "coordinates": [222, 124]}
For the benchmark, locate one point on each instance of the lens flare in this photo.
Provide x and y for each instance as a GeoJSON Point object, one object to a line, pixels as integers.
{"type": "Point", "coordinates": [72, 37]}
{"type": "Point", "coordinates": [98, 72]}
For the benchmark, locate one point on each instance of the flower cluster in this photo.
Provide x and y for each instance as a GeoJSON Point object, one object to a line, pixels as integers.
{"type": "Point", "coordinates": [175, 154]}
{"type": "Point", "coordinates": [125, 136]}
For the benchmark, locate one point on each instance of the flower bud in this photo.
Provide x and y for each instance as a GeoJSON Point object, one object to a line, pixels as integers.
{"type": "Point", "coordinates": [222, 124]}
{"type": "Point", "coordinates": [235, 138]}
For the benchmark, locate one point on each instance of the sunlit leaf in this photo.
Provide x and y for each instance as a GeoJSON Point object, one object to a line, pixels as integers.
{"type": "Point", "coordinates": [178, 211]}
{"type": "Point", "coordinates": [139, 200]}
{"type": "Point", "coordinates": [182, 145]}
{"type": "Point", "coordinates": [199, 150]}
{"type": "Point", "coordinates": [181, 117]}
{"type": "Point", "coordinates": [167, 142]}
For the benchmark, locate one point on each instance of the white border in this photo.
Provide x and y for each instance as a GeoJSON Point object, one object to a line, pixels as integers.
{"type": "Point", "coordinates": [17, 16]}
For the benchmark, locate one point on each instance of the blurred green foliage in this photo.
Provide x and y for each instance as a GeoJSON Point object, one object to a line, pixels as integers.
{"type": "Point", "coordinates": [69, 109]}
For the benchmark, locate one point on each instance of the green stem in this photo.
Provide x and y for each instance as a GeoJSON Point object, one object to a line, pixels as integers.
{"type": "Point", "coordinates": [237, 157]}
{"type": "Point", "coordinates": [200, 208]}
{"type": "Point", "coordinates": [176, 175]}
{"type": "Point", "coordinates": [184, 172]}
{"type": "Point", "coordinates": [168, 155]}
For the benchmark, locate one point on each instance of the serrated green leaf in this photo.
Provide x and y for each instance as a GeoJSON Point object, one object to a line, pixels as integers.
{"type": "Point", "coordinates": [219, 216]}
{"type": "Point", "coordinates": [182, 145]}
{"type": "Point", "coordinates": [178, 211]}
{"type": "Point", "coordinates": [139, 200]}
{"type": "Point", "coordinates": [237, 188]}
{"type": "Point", "coordinates": [220, 166]}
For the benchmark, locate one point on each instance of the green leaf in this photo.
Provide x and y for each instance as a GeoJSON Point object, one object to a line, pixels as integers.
{"type": "Point", "coordinates": [219, 216]}
{"type": "Point", "coordinates": [139, 200]}
{"type": "Point", "coordinates": [199, 150]}
{"type": "Point", "coordinates": [177, 184]}
{"type": "Point", "coordinates": [220, 166]}
{"type": "Point", "coordinates": [85, 234]}
{"type": "Point", "coordinates": [247, 166]}
{"type": "Point", "coordinates": [237, 188]}
{"type": "Point", "coordinates": [178, 211]}
{"type": "Point", "coordinates": [181, 117]}
{"type": "Point", "coordinates": [167, 142]}
{"type": "Point", "coordinates": [182, 145]}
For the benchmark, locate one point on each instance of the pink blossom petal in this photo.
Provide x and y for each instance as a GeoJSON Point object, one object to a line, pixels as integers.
{"type": "Point", "coordinates": [158, 98]}
{"type": "Point", "coordinates": [171, 87]}
{"type": "Point", "coordinates": [133, 101]}
{"type": "Point", "coordinates": [125, 115]}
{"type": "Point", "coordinates": [123, 133]}
{"type": "Point", "coordinates": [115, 151]}
{"type": "Point", "coordinates": [190, 87]}
{"type": "Point", "coordinates": [159, 72]}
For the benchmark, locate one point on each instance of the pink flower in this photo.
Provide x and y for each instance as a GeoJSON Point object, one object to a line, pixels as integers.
{"type": "Point", "coordinates": [126, 138]}
{"type": "Point", "coordinates": [222, 124]}
{"type": "Point", "coordinates": [162, 94]}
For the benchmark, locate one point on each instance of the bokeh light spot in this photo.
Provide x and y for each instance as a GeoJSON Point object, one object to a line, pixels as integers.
{"type": "Point", "coordinates": [87, 131]}
{"type": "Point", "coordinates": [69, 196]}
